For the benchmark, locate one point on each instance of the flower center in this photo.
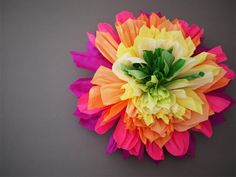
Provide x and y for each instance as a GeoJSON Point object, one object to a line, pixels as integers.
{"type": "Point", "coordinates": [151, 77]}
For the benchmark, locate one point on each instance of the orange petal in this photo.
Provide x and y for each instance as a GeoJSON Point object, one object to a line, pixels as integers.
{"type": "Point", "coordinates": [141, 135]}
{"type": "Point", "coordinates": [129, 30]}
{"type": "Point", "coordinates": [155, 20]}
{"type": "Point", "coordinates": [106, 45]}
{"type": "Point", "coordinates": [159, 127]}
{"type": "Point", "coordinates": [219, 84]}
{"type": "Point", "coordinates": [216, 79]}
{"type": "Point", "coordinates": [163, 140]}
{"type": "Point", "coordinates": [95, 100]}
{"type": "Point", "coordinates": [113, 111]}
{"type": "Point", "coordinates": [150, 135]}
{"type": "Point", "coordinates": [104, 76]}
{"type": "Point", "coordinates": [143, 17]}
{"type": "Point", "coordinates": [111, 93]}
{"type": "Point", "coordinates": [195, 117]}
{"type": "Point", "coordinates": [196, 40]}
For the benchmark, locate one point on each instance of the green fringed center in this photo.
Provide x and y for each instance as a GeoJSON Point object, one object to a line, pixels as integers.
{"type": "Point", "coordinates": [160, 69]}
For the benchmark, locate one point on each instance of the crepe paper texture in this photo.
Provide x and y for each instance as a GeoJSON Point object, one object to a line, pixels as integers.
{"type": "Point", "coordinates": [154, 84]}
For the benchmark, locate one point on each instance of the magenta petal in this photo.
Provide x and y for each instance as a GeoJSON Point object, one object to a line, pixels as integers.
{"type": "Point", "coordinates": [89, 123]}
{"type": "Point", "coordinates": [220, 55]}
{"type": "Point", "coordinates": [217, 119]}
{"type": "Point", "coordinates": [80, 86]}
{"type": "Point", "coordinates": [159, 14]}
{"type": "Point", "coordinates": [112, 146]}
{"type": "Point", "coordinates": [178, 144]}
{"type": "Point", "coordinates": [84, 115]}
{"type": "Point", "coordinates": [125, 154]}
{"type": "Point", "coordinates": [123, 16]}
{"type": "Point", "coordinates": [154, 151]}
{"type": "Point", "coordinates": [217, 104]}
{"type": "Point", "coordinates": [200, 48]}
{"type": "Point", "coordinates": [91, 38]}
{"type": "Point", "coordinates": [105, 27]}
{"type": "Point", "coordinates": [141, 151]}
{"type": "Point", "coordinates": [87, 61]}
{"type": "Point", "coordinates": [143, 13]}
{"type": "Point", "coordinates": [90, 60]}
{"type": "Point", "coordinates": [191, 147]}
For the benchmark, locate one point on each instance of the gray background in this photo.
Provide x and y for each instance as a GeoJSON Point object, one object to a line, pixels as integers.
{"type": "Point", "coordinates": [39, 135]}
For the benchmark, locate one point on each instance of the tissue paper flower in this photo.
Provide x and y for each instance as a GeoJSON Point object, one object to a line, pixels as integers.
{"type": "Point", "coordinates": [153, 85]}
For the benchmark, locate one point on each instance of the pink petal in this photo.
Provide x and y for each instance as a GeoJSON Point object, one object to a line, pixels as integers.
{"type": "Point", "coordinates": [105, 27]}
{"type": "Point", "coordinates": [229, 72]}
{"type": "Point", "coordinates": [130, 141]}
{"type": "Point", "coordinates": [205, 128]}
{"type": "Point", "coordinates": [192, 30]}
{"type": "Point", "coordinates": [154, 151]}
{"type": "Point", "coordinates": [101, 127]}
{"type": "Point", "coordinates": [178, 144]}
{"type": "Point", "coordinates": [137, 150]}
{"type": "Point", "coordinates": [120, 132]}
{"type": "Point", "coordinates": [123, 16]}
{"type": "Point", "coordinates": [216, 103]}
{"type": "Point", "coordinates": [80, 86]}
{"type": "Point", "coordinates": [220, 55]}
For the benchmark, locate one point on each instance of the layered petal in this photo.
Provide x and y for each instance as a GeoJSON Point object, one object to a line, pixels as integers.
{"type": "Point", "coordinates": [178, 144]}
{"type": "Point", "coordinates": [81, 86]}
{"type": "Point", "coordinates": [107, 45]}
{"type": "Point", "coordinates": [154, 151]}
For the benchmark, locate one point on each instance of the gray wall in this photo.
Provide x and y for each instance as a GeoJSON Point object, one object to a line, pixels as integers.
{"type": "Point", "coordinates": [1, 93]}
{"type": "Point", "coordinates": [40, 135]}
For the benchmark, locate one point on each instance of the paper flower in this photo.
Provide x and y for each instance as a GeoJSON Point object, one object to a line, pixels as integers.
{"type": "Point", "coordinates": [153, 84]}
